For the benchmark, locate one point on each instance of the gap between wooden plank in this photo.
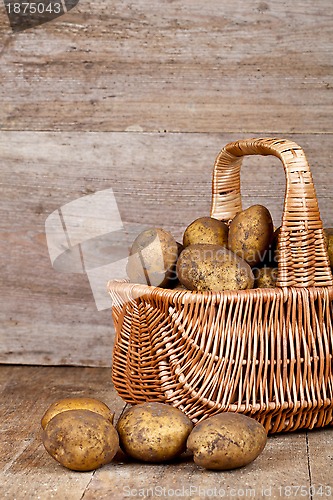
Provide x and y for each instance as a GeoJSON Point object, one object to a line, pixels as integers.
{"type": "Point", "coordinates": [309, 466]}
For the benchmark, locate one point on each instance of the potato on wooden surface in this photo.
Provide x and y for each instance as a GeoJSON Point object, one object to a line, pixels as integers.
{"type": "Point", "coordinates": [265, 277]}
{"type": "Point", "coordinates": [81, 440]}
{"type": "Point", "coordinates": [213, 268]}
{"type": "Point", "coordinates": [153, 432]}
{"type": "Point", "coordinates": [206, 230]}
{"type": "Point", "coordinates": [226, 441]}
{"type": "Point", "coordinates": [76, 404]}
{"type": "Point", "coordinates": [153, 257]}
{"type": "Point", "coordinates": [250, 234]}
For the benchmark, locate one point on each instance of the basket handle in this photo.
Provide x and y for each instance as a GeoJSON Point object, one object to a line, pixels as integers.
{"type": "Point", "coordinates": [302, 253]}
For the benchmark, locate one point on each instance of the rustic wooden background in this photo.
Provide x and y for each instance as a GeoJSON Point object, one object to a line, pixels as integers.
{"type": "Point", "coordinates": [141, 96]}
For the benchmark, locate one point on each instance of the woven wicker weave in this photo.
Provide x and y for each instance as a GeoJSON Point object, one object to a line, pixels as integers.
{"type": "Point", "coordinates": [266, 353]}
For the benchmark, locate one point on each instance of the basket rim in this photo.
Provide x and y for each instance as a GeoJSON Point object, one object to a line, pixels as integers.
{"type": "Point", "coordinates": [141, 290]}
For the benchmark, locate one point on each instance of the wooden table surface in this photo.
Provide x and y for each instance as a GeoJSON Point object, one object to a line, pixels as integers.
{"type": "Point", "coordinates": [292, 465]}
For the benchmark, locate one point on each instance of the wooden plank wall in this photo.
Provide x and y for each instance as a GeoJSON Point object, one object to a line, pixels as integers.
{"type": "Point", "coordinates": [141, 96]}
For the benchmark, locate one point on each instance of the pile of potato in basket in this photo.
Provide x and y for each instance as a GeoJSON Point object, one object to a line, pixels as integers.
{"type": "Point", "coordinates": [214, 256]}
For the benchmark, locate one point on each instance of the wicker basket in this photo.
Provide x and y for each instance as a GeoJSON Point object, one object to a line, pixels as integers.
{"type": "Point", "coordinates": [266, 353]}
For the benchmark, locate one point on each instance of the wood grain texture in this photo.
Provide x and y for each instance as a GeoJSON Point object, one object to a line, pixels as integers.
{"type": "Point", "coordinates": [86, 101]}
{"type": "Point", "coordinates": [49, 317]}
{"type": "Point", "coordinates": [320, 452]}
{"type": "Point", "coordinates": [102, 85]}
{"type": "Point", "coordinates": [283, 462]}
{"type": "Point", "coordinates": [168, 66]}
{"type": "Point", "coordinates": [27, 471]}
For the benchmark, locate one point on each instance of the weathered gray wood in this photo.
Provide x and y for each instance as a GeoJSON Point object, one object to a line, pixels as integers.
{"type": "Point", "coordinates": [320, 452]}
{"type": "Point", "coordinates": [282, 463]}
{"type": "Point", "coordinates": [222, 70]}
{"type": "Point", "coordinates": [49, 317]}
{"type": "Point", "coordinates": [195, 67]}
{"type": "Point", "coordinates": [201, 67]}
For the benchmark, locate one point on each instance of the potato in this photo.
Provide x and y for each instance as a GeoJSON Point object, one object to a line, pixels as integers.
{"type": "Point", "coordinates": [328, 234]}
{"type": "Point", "coordinates": [265, 277]}
{"type": "Point", "coordinates": [226, 441]}
{"type": "Point", "coordinates": [214, 268]}
{"type": "Point", "coordinates": [153, 257]}
{"type": "Point", "coordinates": [76, 404]}
{"type": "Point", "coordinates": [250, 234]}
{"type": "Point", "coordinates": [153, 432]}
{"type": "Point", "coordinates": [80, 440]}
{"type": "Point", "coordinates": [206, 230]}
